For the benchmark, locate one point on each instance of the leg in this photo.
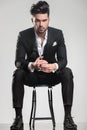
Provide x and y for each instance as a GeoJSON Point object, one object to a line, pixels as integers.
{"type": "Point", "coordinates": [20, 77]}
{"type": "Point", "coordinates": [67, 94]}
{"type": "Point", "coordinates": [18, 93]}
{"type": "Point", "coordinates": [67, 86]}
{"type": "Point", "coordinates": [18, 88]}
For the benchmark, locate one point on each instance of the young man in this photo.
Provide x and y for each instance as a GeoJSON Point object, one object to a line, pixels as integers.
{"type": "Point", "coordinates": [41, 59]}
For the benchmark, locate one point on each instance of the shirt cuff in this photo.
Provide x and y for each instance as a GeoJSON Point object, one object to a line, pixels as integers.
{"type": "Point", "coordinates": [30, 67]}
{"type": "Point", "coordinates": [56, 68]}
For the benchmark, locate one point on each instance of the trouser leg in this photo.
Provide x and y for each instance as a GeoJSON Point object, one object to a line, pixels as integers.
{"type": "Point", "coordinates": [21, 78]}
{"type": "Point", "coordinates": [67, 86]}
{"type": "Point", "coordinates": [18, 88]}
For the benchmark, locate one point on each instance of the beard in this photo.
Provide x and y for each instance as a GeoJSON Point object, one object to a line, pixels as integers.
{"type": "Point", "coordinates": [41, 30]}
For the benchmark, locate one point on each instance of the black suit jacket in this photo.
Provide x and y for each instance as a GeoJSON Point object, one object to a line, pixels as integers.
{"type": "Point", "coordinates": [54, 50]}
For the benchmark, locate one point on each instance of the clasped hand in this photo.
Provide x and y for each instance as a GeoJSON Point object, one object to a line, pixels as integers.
{"type": "Point", "coordinates": [42, 65]}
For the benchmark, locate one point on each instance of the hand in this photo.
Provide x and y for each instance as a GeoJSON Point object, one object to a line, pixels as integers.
{"type": "Point", "coordinates": [48, 68]}
{"type": "Point", "coordinates": [38, 63]}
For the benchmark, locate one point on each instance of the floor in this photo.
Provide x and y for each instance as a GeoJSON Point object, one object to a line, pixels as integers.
{"type": "Point", "coordinates": [44, 126]}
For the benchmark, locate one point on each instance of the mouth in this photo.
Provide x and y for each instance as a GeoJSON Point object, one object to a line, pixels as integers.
{"type": "Point", "coordinates": [41, 29]}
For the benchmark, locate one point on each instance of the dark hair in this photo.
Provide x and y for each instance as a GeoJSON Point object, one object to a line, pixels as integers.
{"type": "Point", "coordinates": [41, 7]}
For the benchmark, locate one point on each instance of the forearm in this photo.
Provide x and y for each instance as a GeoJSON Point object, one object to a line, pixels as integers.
{"type": "Point", "coordinates": [62, 64]}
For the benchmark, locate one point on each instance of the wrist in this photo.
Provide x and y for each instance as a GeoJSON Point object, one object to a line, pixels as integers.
{"type": "Point", "coordinates": [55, 67]}
{"type": "Point", "coordinates": [33, 65]}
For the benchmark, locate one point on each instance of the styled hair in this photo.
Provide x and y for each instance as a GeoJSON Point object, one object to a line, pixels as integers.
{"type": "Point", "coordinates": [41, 7]}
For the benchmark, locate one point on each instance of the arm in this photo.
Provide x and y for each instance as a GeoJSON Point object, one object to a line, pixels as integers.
{"type": "Point", "coordinates": [20, 61]}
{"type": "Point", "coordinates": [61, 53]}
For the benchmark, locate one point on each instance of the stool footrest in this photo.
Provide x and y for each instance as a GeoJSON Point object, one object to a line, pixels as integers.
{"type": "Point", "coordinates": [42, 118]}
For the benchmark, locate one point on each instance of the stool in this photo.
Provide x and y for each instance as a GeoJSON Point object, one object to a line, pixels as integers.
{"type": "Point", "coordinates": [33, 109]}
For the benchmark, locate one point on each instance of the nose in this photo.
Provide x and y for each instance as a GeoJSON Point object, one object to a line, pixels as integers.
{"type": "Point", "coordinates": [41, 23]}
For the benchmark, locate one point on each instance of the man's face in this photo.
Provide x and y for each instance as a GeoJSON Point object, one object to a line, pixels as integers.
{"type": "Point", "coordinates": [41, 22]}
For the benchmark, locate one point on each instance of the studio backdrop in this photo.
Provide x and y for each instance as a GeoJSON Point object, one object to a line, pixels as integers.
{"type": "Point", "coordinates": [71, 17]}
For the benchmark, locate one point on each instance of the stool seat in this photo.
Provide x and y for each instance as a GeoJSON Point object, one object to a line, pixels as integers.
{"type": "Point", "coordinates": [33, 109]}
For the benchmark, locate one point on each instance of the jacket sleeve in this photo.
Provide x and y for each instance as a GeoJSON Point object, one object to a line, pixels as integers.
{"type": "Point", "coordinates": [20, 58]}
{"type": "Point", "coordinates": [61, 52]}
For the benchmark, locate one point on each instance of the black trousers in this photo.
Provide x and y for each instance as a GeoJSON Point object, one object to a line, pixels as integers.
{"type": "Point", "coordinates": [21, 78]}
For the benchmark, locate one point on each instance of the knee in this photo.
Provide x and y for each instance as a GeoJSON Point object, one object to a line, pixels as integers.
{"type": "Point", "coordinates": [68, 73]}
{"type": "Point", "coordinates": [18, 74]}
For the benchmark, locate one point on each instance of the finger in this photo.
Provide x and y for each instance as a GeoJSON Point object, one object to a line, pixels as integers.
{"type": "Point", "coordinates": [44, 62]}
{"type": "Point", "coordinates": [41, 57]}
{"type": "Point", "coordinates": [45, 66]}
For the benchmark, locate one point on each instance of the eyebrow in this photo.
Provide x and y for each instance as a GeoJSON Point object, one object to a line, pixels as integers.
{"type": "Point", "coordinates": [41, 20]}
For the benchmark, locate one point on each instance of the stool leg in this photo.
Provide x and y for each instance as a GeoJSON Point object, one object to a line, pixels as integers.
{"type": "Point", "coordinates": [34, 113]}
{"type": "Point", "coordinates": [33, 109]}
{"type": "Point", "coordinates": [51, 105]}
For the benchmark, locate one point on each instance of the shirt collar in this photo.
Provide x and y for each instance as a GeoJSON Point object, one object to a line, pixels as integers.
{"type": "Point", "coordinates": [37, 37]}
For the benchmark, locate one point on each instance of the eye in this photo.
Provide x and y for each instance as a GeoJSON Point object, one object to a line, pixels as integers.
{"type": "Point", "coordinates": [44, 20]}
{"type": "Point", "coordinates": [37, 20]}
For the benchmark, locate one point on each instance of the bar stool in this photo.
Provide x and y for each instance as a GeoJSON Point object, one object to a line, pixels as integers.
{"type": "Point", "coordinates": [33, 108]}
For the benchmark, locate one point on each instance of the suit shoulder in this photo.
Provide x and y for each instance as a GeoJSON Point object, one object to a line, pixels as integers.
{"type": "Point", "coordinates": [56, 33]}
{"type": "Point", "coordinates": [26, 32]}
{"type": "Point", "coordinates": [54, 30]}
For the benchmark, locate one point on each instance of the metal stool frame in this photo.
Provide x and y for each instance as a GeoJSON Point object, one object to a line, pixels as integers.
{"type": "Point", "coordinates": [33, 108]}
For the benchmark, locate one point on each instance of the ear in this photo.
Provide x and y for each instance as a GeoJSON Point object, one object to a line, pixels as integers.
{"type": "Point", "coordinates": [32, 20]}
{"type": "Point", "coordinates": [49, 19]}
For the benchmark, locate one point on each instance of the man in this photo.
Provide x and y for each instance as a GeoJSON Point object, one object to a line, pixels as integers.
{"type": "Point", "coordinates": [41, 59]}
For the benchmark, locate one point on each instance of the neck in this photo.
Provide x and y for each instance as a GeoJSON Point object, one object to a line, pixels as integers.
{"type": "Point", "coordinates": [41, 35]}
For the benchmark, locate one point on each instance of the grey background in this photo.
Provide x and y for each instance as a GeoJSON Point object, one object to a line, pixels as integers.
{"type": "Point", "coordinates": [71, 17]}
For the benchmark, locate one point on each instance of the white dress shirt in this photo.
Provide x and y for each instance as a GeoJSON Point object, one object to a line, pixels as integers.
{"type": "Point", "coordinates": [40, 44]}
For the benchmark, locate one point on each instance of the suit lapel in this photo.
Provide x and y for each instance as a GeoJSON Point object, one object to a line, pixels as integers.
{"type": "Point", "coordinates": [34, 44]}
{"type": "Point", "coordinates": [46, 48]}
